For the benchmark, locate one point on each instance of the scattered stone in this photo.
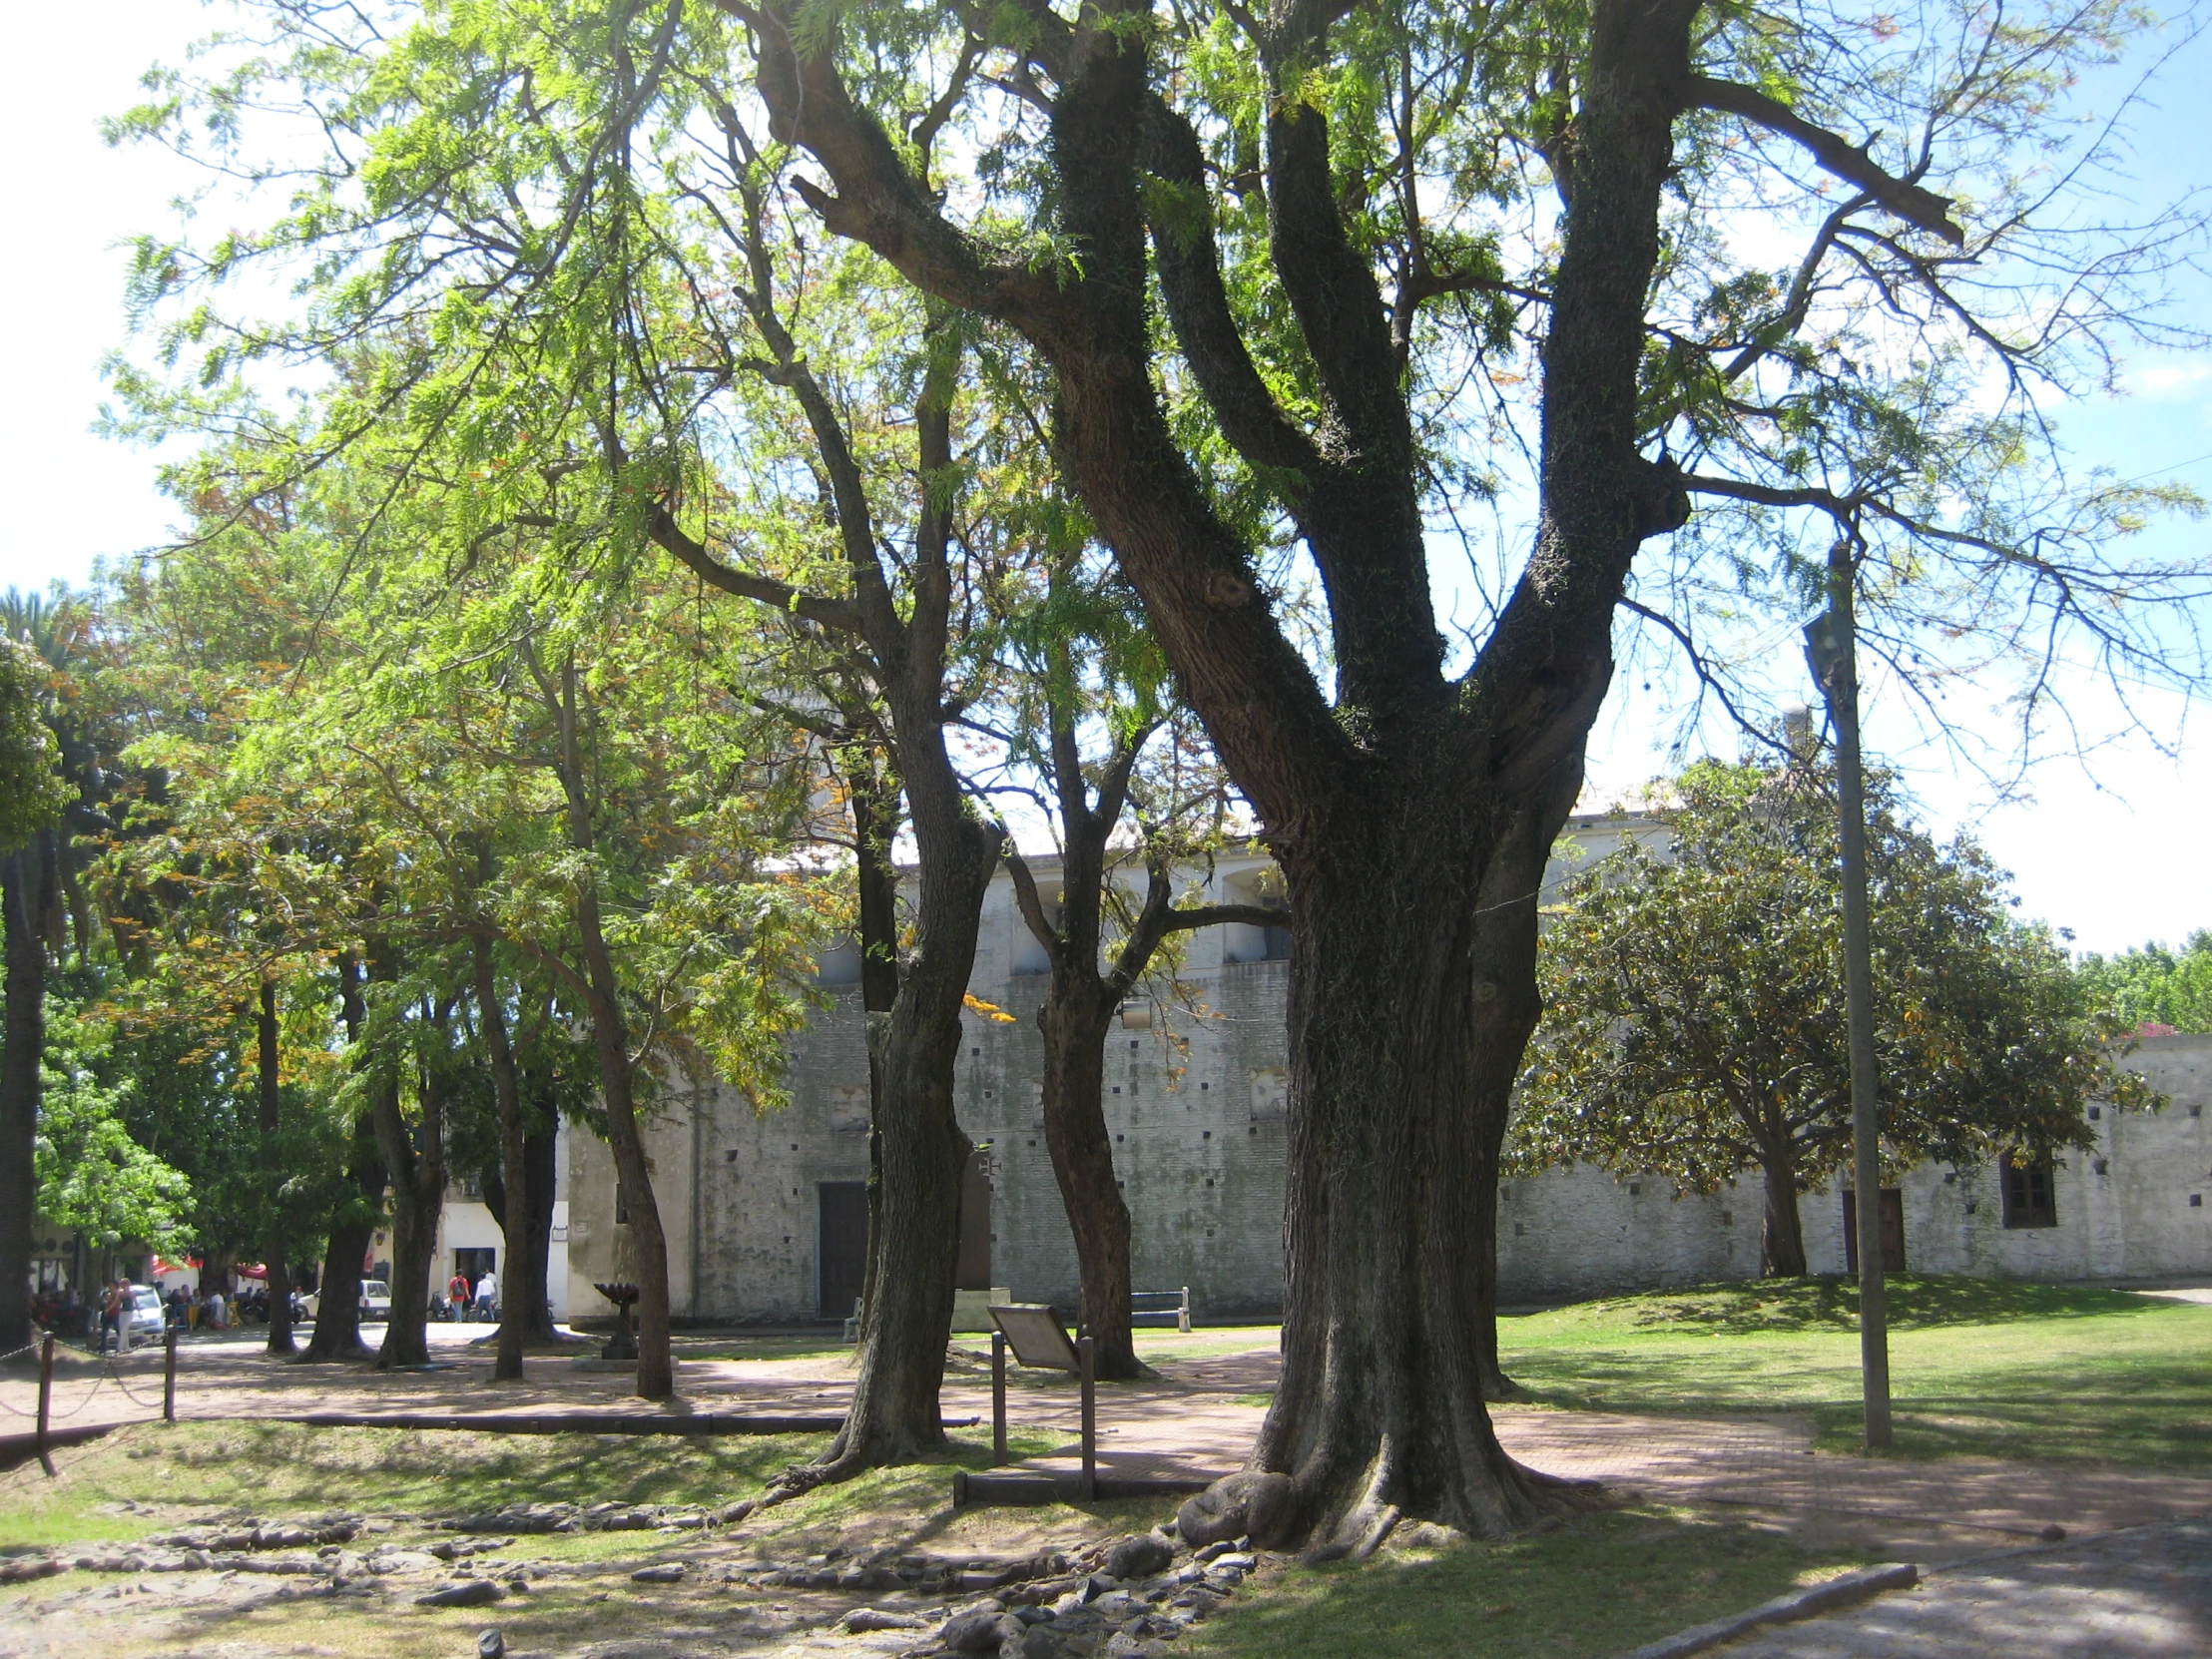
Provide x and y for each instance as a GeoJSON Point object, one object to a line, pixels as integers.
{"type": "Point", "coordinates": [1125, 1646]}
{"type": "Point", "coordinates": [402, 1560]}
{"type": "Point", "coordinates": [861, 1620]}
{"type": "Point", "coordinates": [1214, 1551]}
{"type": "Point", "coordinates": [667, 1572]}
{"type": "Point", "coordinates": [450, 1549]}
{"type": "Point", "coordinates": [23, 1569]}
{"type": "Point", "coordinates": [2052, 1534]}
{"type": "Point", "coordinates": [491, 1644]}
{"type": "Point", "coordinates": [980, 1630]}
{"type": "Point", "coordinates": [734, 1512]}
{"type": "Point", "coordinates": [466, 1592]}
{"type": "Point", "coordinates": [1139, 1557]}
{"type": "Point", "coordinates": [520, 1518]}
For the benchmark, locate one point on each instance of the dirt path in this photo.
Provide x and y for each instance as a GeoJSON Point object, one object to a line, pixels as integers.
{"type": "Point", "coordinates": [1199, 1419]}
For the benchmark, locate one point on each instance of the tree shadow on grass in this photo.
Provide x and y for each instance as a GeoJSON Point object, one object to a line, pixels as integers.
{"type": "Point", "coordinates": [1830, 1302]}
{"type": "Point", "coordinates": [1599, 1585]}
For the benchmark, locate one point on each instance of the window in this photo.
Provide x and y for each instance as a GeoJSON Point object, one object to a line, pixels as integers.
{"type": "Point", "coordinates": [2029, 1200]}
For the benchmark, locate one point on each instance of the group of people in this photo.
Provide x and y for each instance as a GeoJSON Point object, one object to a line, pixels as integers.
{"type": "Point", "coordinates": [464, 1302]}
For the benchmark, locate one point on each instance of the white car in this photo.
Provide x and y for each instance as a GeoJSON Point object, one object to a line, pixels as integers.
{"type": "Point", "coordinates": [375, 1300]}
{"type": "Point", "coordinates": [147, 1318]}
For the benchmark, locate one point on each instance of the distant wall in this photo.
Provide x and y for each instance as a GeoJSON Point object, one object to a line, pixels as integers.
{"type": "Point", "coordinates": [1196, 1103]}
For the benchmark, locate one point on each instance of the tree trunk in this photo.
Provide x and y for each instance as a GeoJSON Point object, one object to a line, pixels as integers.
{"type": "Point", "coordinates": [527, 1274]}
{"type": "Point", "coordinates": [1782, 1242]}
{"type": "Point", "coordinates": [1496, 1386]}
{"type": "Point", "coordinates": [23, 894]}
{"type": "Point", "coordinates": [419, 1193]}
{"type": "Point", "coordinates": [872, 793]}
{"type": "Point", "coordinates": [269, 1102]}
{"type": "Point", "coordinates": [1074, 1020]}
{"type": "Point", "coordinates": [914, 1244]}
{"type": "Point", "coordinates": [338, 1317]}
{"type": "Point", "coordinates": [1412, 996]}
{"type": "Point", "coordinates": [337, 1320]}
{"type": "Point", "coordinates": [514, 1312]}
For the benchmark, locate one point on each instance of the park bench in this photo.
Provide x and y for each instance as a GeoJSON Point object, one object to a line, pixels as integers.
{"type": "Point", "coordinates": [1161, 1307]}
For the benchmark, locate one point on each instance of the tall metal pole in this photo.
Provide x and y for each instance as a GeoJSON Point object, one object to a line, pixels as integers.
{"type": "Point", "coordinates": [1831, 645]}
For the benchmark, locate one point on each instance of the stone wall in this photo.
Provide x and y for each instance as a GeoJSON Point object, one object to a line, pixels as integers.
{"type": "Point", "coordinates": [1196, 1103]}
{"type": "Point", "coordinates": [2133, 1208]}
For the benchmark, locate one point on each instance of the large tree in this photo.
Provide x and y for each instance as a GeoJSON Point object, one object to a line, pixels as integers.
{"type": "Point", "coordinates": [1696, 1021]}
{"type": "Point", "coordinates": [1296, 187]}
{"type": "Point", "coordinates": [1343, 218]}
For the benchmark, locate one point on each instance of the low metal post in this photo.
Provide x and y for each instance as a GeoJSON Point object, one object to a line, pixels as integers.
{"type": "Point", "coordinates": [999, 1400]}
{"type": "Point", "coordinates": [45, 1397]}
{"type": "Point", "coordinates": [1087, 1348]}
{"type": "Point", "coordinates": [169, 1375]}
{"type": "Point", "coordinates": [1183, 1313]}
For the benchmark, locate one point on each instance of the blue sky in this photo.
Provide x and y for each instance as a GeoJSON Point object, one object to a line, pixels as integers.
{"type": "Point", "coordinates": [2092, 847]}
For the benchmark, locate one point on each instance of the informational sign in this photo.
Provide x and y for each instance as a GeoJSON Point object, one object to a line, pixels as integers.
{"type": "Point", "coordinates": [1034, 1331]}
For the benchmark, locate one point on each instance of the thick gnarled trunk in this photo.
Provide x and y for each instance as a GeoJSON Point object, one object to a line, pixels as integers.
{"type": "Point", "coordinates": [1074, 1022]}
{"type": "Point", "coordinates": [1413, 997]}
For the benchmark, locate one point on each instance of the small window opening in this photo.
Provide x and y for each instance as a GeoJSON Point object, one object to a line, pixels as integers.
{"type": "Point", "coordinates": [2030, 1198]}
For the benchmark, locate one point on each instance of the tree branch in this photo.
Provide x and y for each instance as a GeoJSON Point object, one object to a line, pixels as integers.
{"type": "Point", "coordinates": [694, 556]}
{"type": "Point", "coordinates": [1850, 163]}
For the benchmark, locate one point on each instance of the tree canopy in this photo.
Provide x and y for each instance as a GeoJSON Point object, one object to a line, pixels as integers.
{"type": "Point", "coordinates": [1696, 1027]}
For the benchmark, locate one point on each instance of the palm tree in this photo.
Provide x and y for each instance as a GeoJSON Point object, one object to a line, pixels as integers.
{"type": "Point", "coordinates": [43, 905]}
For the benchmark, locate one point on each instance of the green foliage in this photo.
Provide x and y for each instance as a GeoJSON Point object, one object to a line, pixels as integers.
{"type": "Point", "coordinates": [1696, 1014]}
{"type": "Point", "coordinates": [2156, 985]}
{"type": "Point", "coordinates": [92, 1173]}
{"type": "Point", "coordinates": [33, 792]}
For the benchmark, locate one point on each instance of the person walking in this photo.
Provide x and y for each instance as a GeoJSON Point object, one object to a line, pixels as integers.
{"type": "Point", "coordinates": [487, 1297]}
{"type": "Point", "coordinates": [111, 1304]}
{"type": "Point", "coordinates": [456, 1296]}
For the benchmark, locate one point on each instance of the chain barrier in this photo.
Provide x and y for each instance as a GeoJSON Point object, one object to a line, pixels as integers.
{"type": "Point", "coordinates": [117, 1377]}
{"type": "Point", "coordinates": [60, 1417]}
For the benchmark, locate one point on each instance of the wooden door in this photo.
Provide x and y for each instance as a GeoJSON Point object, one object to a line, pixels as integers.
{"type": "Point", "coordinates": [1892, 1230]}
{"type": "Point", "coordinates": [974, 1271]}
{"type": "Point", "coordinates": [841, 1253]}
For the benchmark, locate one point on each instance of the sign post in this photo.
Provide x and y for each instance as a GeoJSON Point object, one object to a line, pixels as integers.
{"type": "Point", "coordinates": [1830, 646]}
{"type": "Point", "coordinates": [998, 1398]}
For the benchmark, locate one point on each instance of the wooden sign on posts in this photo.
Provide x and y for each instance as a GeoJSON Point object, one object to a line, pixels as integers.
{"type": "Point", "coordinates": [1038, 1339]}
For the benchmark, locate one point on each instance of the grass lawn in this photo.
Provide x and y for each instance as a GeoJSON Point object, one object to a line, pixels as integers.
{"type": "Point", "coordinates": [1603, 1584]}
{"type": "Point", "coordinates": [2031, 1371]}
{"type": "Point", "coordinates": [281, 1469]}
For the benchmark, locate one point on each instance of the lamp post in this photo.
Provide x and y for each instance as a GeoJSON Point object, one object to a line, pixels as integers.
{"type": "Point", "coordinates": [1830, 646]}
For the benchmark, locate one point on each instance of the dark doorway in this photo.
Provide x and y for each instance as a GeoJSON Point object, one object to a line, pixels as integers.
{"type": "Point", "coordinates": [1892, 1230]}
{"type": "Point", "coordinates": [974, 1271]}
{"type": "Point", "coordinates": [841, 1253]}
